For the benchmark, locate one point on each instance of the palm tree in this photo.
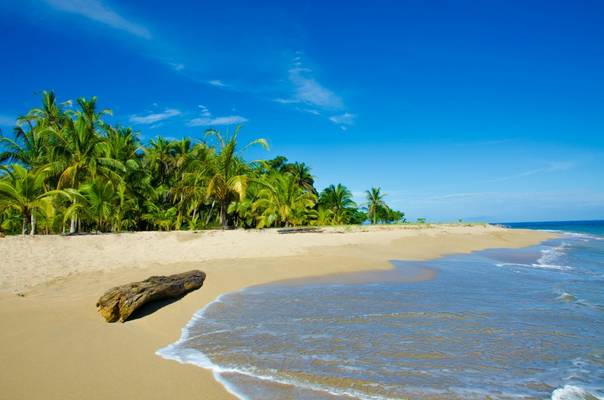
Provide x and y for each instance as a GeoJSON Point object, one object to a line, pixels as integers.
{"type": "Point", "coordinates": [338, 199]}
{"type": "Point", "coordinates": [229, 181]}
{"type": "Point", "coordinates": [375, 204]}
{"type": "Point", "coordinates": [283, 201]}
{"type": "Point", "coordinates": [159, 159]}
{"type": "Point", "coordinates": [158, 217]}
{"type": "Point", "coordinates": [76, 151]}
{"type": "Point", "coordinates": [303, 176]}
{"type": "Point", "coordinates": [24, 191]}
{"type": "Point", "coordinates": [101, 200]}
{"type": "Point", "coordinates": [50, 115]}
{"type": "Point", "coordinates": [29, 146]}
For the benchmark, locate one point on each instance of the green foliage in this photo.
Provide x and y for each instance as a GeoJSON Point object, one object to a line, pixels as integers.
{"type": "Point", "coordinates": [67, 170]}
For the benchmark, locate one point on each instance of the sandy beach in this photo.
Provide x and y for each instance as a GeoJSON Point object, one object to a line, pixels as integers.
{"type": "Point", "coordinates": [54, 344]}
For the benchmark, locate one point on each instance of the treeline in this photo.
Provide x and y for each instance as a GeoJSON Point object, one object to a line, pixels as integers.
{"type": "Point", "coordinates": [67, 170]}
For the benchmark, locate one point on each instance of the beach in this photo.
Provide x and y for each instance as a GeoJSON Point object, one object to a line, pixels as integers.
{"type": "Point", "coordinates": [54, 345]}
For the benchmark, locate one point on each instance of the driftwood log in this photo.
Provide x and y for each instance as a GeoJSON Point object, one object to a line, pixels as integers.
{"type": "Point", "coordinates": [118, 303]}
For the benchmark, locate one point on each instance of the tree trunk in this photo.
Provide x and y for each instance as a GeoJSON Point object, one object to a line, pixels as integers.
{"type": "Point", "coordinates": [24, 225]}
{"type": "Point", "coordinates": [72, 227]}
{"type": "Point", "coordinates": [223, 214]}
{"type": "Point", "coordinates": [33, 224]}
{"type": "Point", "coordinates": [209, 214]}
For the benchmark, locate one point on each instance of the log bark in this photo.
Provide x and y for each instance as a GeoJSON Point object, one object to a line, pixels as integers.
{"type": "Point", "coordinates": [119, 303]}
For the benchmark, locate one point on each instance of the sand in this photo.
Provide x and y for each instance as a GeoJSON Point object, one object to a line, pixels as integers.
{"type": "Point", "coordinates": [54, 345]}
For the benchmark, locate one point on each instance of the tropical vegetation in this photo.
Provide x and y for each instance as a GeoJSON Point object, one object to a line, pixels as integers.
{"type": "Point", "coordinates": [66, 170]}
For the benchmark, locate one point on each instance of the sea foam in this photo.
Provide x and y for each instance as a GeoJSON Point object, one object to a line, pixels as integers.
{"type": "Point", "coordinates": [570, 392]}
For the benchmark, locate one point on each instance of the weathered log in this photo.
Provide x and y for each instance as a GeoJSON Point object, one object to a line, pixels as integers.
{"type": "Point", "coordinates": [118, 303]}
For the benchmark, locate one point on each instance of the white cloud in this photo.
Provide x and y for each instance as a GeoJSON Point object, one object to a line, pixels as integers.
{"type": "Point", "coordinates": [306, 89]}
{"type": "Point", "coordinates": [207, 119]}
{"type": "Point", "coordinates": [285, 101]}
{"type": "Point", "coordinates": [154, 117]}
{"type": "Point", "coordinates": [177, 66]}
{"type": "Point", "coordinates": [218, 121]}
{"type": "Point", "coordinates": [309, 91]}
{"type": "Point", "coordinates": [5, 120]}
{"type": "Point", "coordinates": [346, 119]}
{"type": "Point", "coordinates": [552, 166]}
{"type": "Point", "coordinates": [309, 111]}
{"type": "Point", "coordinates": [217, 83]}
{"type": "Point", "coordinates": [204, 111]}
{"type": "Point", "coordinates": [97, 11]}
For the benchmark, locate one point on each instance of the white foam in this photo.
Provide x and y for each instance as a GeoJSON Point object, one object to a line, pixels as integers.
{"type": "Point", "coordinates": [550, 255]}
{"type": "Point", "coordinates": [583, 236]}
{"type": "Point", "coordinates": [570, 392]}
{"type": "Point", "coordinates": [195, 357]}
{"type": "Point", "coordinates": [565, 296]}
{"type": "Point", "coordinates": [543, 266]}
{"type": "Point", "coordinates": [547, 260]}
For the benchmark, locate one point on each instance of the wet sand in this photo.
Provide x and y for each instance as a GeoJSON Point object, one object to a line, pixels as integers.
{"type": "Point", "coordinates": [54, 345]}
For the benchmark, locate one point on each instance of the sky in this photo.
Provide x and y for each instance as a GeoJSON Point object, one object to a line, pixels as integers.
{"type": "Point", "coordinates": [475, 110]}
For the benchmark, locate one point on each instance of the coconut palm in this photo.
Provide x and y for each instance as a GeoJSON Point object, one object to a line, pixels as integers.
{"type": "Point", "coordinates": [282, 201]}
{"type": "Point", "coordinates": [77, 151]}
{"type": "Point", "coordinates": [337, 199]}
{"type": "Point", "coordinates": [375, 204]}
{"type": "Point", "coordinates": [24, 191]}
{"type": "Point", "coordinates": [159, 159]}
{"type": "Point", "coordinates": [229, 181]}
{"type": "Point", "coordinates": [29, 146]}
{"type": "Point", "coordinates": [101, 201]}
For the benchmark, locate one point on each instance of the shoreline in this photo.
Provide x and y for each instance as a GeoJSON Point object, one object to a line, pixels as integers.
{"type": "Point", "coordinates": [78, 355]}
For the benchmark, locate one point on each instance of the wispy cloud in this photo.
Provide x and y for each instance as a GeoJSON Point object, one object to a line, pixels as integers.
{"type": "Point", "coordinates": [176, 66]}
{"type": "Point", "coordinates": [313, 97]}
{"type": "Point", "coordinates": [218, 121]}
{"type": "Point", "coordinates": [309, 111]}
{"type": "Point", "coordinates": [217, 83]}
{"type": "Point", "coordinates": [152, 118]}
{"type": "Point", "coordinates": [343, 120]}
{"type": "Point", "coordinates": [308, 90]}
{"type": "Point", "coordinates": [99, 12]}
{"type": "Point", "coordinates": [552, 166]}
{"type": "Point", "coordinates": [204, 111]}
{"type": "Point", "coordinates": [207, 119]}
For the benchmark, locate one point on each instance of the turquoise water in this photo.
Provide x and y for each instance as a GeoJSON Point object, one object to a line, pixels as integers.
{"type": "Point", "coordinates": [495, 324]}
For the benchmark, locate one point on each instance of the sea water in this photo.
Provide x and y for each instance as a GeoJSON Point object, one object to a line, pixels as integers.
{"type": "Point", "coordinates": [495, 324]}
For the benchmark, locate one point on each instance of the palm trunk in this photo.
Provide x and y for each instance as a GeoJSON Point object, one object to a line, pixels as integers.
{"type": "Point", "coordinates": [223, 214]}
{"type": "Point", "coordinates": [33, 224]}
{"type": "Point", "coordinates": [209, 214]}
{"type": "Point", "coordinates": [72, 227]}
{"type": "Point", "coordinates": [24, 225]}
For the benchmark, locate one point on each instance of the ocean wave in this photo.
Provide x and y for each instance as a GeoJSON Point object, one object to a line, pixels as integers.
{"type": "Point", "coordinates": [582, 236]}
{"type": "Point", "coordinates": [577, 235]}
{"type": "Point", "coordinates": [549, 256]}
{"type": "Point", "coordinates": [567, 297]}
{"type": "Point", "coordinates": [570, 392]}
{"type": "Point", "coordinates": [536, 265]}
{"type": "Point", "coordinates": [548, 259]}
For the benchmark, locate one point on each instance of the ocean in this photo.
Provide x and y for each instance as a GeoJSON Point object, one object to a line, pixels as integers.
{"type": "Point", "coordinates": [494, 324]}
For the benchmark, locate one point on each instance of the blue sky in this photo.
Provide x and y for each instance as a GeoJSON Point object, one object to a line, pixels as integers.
{"type": "Point", "coordinates": [490, 110]}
